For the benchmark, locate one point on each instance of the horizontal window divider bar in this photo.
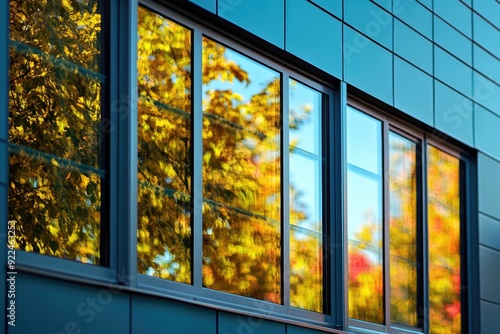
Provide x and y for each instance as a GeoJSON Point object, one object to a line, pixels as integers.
{"type": "Point", "coordinates": [61, 268]}
{"type": "Point", "coordinates": [62, 162]}
{"type": "Point", "coordinates": [165, 106]}
{"type": "Point", "coordinates": [27, 50]}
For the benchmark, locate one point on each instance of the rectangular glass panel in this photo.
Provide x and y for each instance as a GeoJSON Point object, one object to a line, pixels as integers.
{"type": "Point", "coordinates": [241, 175]}
{"type": "Point", "coordinates": [444, 241]}
{"type": "Point", "coordinates": [403, 230]}
{"type": "Point", "coordinates": [164, 148]}
{"type": "Point", "coordinates": [306, 223]}
{"type": "Point", "coordinates": [56, 136]}
{"type": "Point", "coordinates": [364, 214]}
{"type": "Point", "coordinates": [364, 141]}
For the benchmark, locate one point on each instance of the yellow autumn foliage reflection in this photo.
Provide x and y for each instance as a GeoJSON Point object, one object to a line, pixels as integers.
{"type": "Point", "coordinates": [241, 171]}
{"type": "Point", "coordinates": [55, 142]}
{"type": "Point", "coordinates": [443, 224]}
{"type": "Point", "coordinates": [445, 285]}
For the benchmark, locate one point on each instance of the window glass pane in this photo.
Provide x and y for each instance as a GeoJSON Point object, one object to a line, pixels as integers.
{"type": "Point", "coordinates": [241, 175]}
{"type": "Point", "coordinates": [57, 170]}
{"type": "Point", "coordinates": [364, 141]}
{"type": "Point", "coordinates": [444, 241]}
{"type": "Point", "coordinates": [306, 248]}
{"type": "Point", "coordinates": [403, 230]}
{"type": "Point", "coordinates": [364, 213]}
{"type": "Point", "coordinates": [164, 148]}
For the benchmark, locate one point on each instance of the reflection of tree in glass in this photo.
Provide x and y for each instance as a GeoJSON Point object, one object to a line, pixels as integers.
{"type": "Point", "coordinates": [444, 241]}
{"type": "Point", "coordinates": [164, 148]}
{"type": "Point", "coordinates": [241, 167]}
{"type": "Point", "coordinates": [54, 121]}
{"type": "Point", "coordinates": [403, 230]}
{"type": "Point", "coordinates": [365, 273]}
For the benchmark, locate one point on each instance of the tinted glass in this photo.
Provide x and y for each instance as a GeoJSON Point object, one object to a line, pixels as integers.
{"type": "Point", "coordinates": [164, 148]}
{"type": "Point", "coordinates": [364, 141]}
{"type": "Point", "coordinates": [306, 221]}
{"type": "Point", "coordinates": [444, 241]}
{"type": "Point", "coordinates": [57, 170]}
{"type": "Point", "coordinates": [403, 230]}
{"type": "Point", "coordinates": [241, 175]}
{"type": "Point", "coordinates": [364, 214]}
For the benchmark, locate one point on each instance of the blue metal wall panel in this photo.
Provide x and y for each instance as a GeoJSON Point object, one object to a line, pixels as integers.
{"type": "Point", "coordinates": [490, 318]}
{"type": "Point", "coordinates": [301, 330]}
{"type": "Point", "coordinates": [489, 272]}
{"type": "Point", "coordinates": [386, 4]}
{"type": "Point", "coordinates": [455, 13]}
{"type": "Point", "coordinates": [453, 72]}
{"type": "Point", "coordinates": [452, 41]}
{"type": "Point", "coordinates": [270, 24]}
{"type": "Point", "coordinates": [331, 6]}
{"type": "Point", "coordinates": [367, 65]}
{"type": "Point", "coordinates": [487, 132]}
{"type": "Point", "coordinates": [489, 186]}
{"type": "Point", "coordinates": [207, 4]}
{"type": "Point", "coordinates": [413, 91]}
{"type": "Point", "coordinates": [412, 46]}
{"type": "Point", "coordinates": [426, 3]}
{"type": "Point", "coordinates": [487, 93]}
{"type": "Point", "coordinates": [46, 305]}
{"type": "Point", "coordinates": [489, 232]}
{"type": "Point", "coordinates": [483, 34]}
{"type": "Point", "coordinates": [486, 63]}
{"type": "Point", "coordinates": [235, 323]}
{"type": "Point", "coordinates": [308, 27]}
{"type": "Point", "coordinates": [371, 20]}
{"type": "Point", "coordinates": [156, 315]}
{"type": "Point", "coordinates": [415, 15]}
{"type": "Point", "coordinates": [453, 113]}
{"type": "Point", "coordinates": [489, 9]}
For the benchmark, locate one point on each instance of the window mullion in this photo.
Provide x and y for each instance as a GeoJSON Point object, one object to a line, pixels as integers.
{"type": "Point", "coordinates": [386, 224]}
{"type": "Point", "coordinates": [127, 141]}
{"type": "Point", "coordinates": [197, 151]}
{"type": "Point", "coordinates": [285, 186]}
{"type": "Point", "coordinates": [425, 247]}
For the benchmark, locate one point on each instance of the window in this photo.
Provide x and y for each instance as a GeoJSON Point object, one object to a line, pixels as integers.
{"type": "Point", "coordinates": [240, 201]}
{"type": "Point", "coordinates": [58, 172]}
{"type": "Point", "coordinates": [231, 171]}
{"type": "Point", "coordinates": [405, 216]}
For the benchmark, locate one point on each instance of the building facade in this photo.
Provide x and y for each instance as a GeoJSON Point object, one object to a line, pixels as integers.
{"type": "Point", "coordinates": [145, 188]}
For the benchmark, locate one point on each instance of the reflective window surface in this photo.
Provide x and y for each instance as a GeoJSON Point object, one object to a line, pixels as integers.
{"type": "Point", "coordinates": [241, 175]}
{"type": "Point", "coordinates": [403, 230]}
{"type": "Point", "coordinates": [306, 182]}
{"type": "Point", "coordinates": [164, 148]}
{"type": "Point", "coordinates": [241, 185]}
{"type": "Point", "coordinates": [56, 167]}
{"type": "Point", "coordinates": [364, 214]}
{"type": "Point", "coordinates": [422, 239]}
{"type": "Point", "coordinates": [444, 241]}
